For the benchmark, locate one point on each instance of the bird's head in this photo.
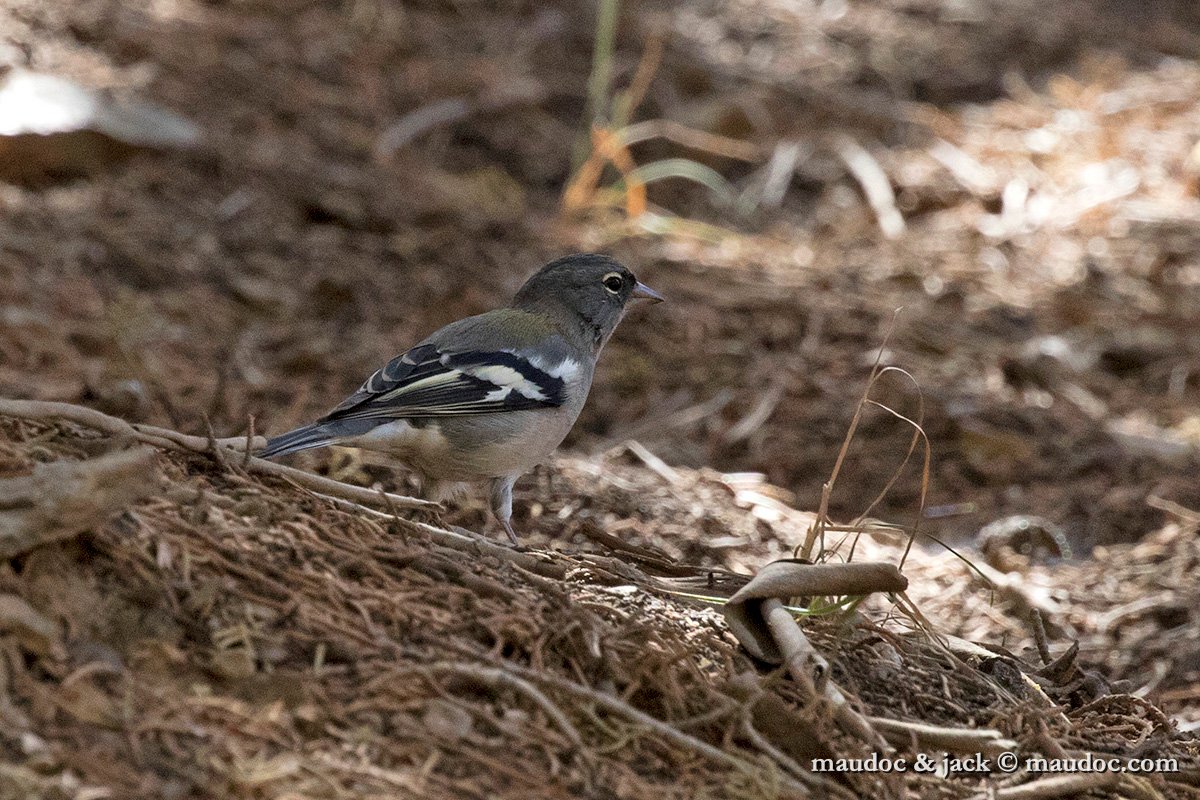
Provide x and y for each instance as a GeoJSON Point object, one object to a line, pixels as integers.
{"type": "Point", "coordinates": [589, 289]}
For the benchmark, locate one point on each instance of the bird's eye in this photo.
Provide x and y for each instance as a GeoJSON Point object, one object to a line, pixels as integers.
{"type": "Point", "coordinates": [613, 282]}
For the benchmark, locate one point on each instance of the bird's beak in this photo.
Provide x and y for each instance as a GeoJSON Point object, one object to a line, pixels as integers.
{"type": "Point", "coordinates": [643, 292]}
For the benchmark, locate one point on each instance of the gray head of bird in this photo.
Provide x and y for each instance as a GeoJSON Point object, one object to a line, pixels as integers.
{"type": "Point", "coordinates": [586, 289]}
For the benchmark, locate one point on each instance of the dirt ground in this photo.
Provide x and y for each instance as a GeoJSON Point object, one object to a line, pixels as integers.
{"type": "Point", "coordinates": [1022, 185]}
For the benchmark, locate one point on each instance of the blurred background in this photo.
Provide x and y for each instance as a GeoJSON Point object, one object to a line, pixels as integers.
{"type": "Point", "coordinates": [212, 211]}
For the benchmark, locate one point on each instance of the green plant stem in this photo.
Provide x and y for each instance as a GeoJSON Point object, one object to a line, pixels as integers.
{"type": "Point", "coordinates": [600, 80]}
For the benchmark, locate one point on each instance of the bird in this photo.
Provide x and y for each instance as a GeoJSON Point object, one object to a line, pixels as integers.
{"type": "Point", "coordinates": [490, 396]}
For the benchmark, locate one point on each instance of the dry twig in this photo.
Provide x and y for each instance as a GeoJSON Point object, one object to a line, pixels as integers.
{"type": "Point", "coordinates": [811, 671]}
{"type": "Point", "coordinates": [989, 742]}
{"type": "Point", "coordinates": [1054, 786]}
{"type": "Point", "coordinates": [495, 677]}
{"type": "Point", "coordinates": [173, 440]}
{"type": "Point", "coordinates": [618, 706]}
{"type": "Point", "coordinates": [874, 182]}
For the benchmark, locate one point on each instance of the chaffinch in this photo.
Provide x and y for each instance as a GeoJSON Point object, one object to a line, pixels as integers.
{"type": "Point", "coordinates": [490, 396]}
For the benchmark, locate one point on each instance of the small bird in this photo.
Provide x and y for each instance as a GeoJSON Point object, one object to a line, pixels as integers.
{"type": "Point", "coordinates": [490, 396]}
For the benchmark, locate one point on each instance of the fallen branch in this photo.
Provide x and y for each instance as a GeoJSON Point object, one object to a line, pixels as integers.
{"type": "Point", "coordinates": [542, 565]}
{"type": "Point", "coordinates": [328, 486]}
{"type": "Point", "coordinates": [173, 440]}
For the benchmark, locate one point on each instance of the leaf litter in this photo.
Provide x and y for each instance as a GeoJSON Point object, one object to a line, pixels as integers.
{"type": "Point", "coordinates": [240, 636]}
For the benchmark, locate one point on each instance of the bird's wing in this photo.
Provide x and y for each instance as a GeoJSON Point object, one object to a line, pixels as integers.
{"type": "Point", "coordinates": [430, 382]}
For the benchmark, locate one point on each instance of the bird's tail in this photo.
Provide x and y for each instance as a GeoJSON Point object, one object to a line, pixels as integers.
{"type": "Point", "coordinates": [305, 438]}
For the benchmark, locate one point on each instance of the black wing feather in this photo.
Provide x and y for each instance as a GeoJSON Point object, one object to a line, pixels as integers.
{"type": "Point", "coordinates": [427, 382]}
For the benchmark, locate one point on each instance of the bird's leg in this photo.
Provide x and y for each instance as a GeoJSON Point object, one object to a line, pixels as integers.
{"type": "Point", "coordinates": [502, 503]}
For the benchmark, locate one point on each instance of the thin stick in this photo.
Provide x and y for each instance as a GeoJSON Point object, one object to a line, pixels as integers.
{"type": "Point", "coordinates": [420, 120]}
{"type": "Point", "coordinates": [631, 98]}
{"type": "Point", "coordinates": [659, 467]}
{"type": "Point", "coordinates": [799, 654]}
{"type": "Point", "coordinates": [494, 677]}
{"type": "Point", "coordinates": [1054, 786]}
{"type": "Point", "coordinates": [767, 403]}
{"type": "Point", "coordinates": [874, 182]}
{"type": "Point", "coordinates": [818, 528]}
{"type": "Point", "coordinates": [1039, 635]}
{"type": "Point", "coordinates": [788, 763]}
{"type": "Point", "coordinates": [989, 742]}
{"type": "Point", "coordinates": [1175, 509]}
{"type": "Point", "coordinates": [173, 440]}
{"type": "Point", "coordinates": [43, 410]}
{"type": "Point", "coordinates": [600, 79]}
{"type": "Point", "coordinates": [672, 131]}
{"type": "Point", "coordinates": [358, 494]}
{"type": "Point", "coordinates": [450, 110]}
{"type": "Point", "coordinates": [666, 730]}
{"type": "Point", "coordinates": [461, 542]}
